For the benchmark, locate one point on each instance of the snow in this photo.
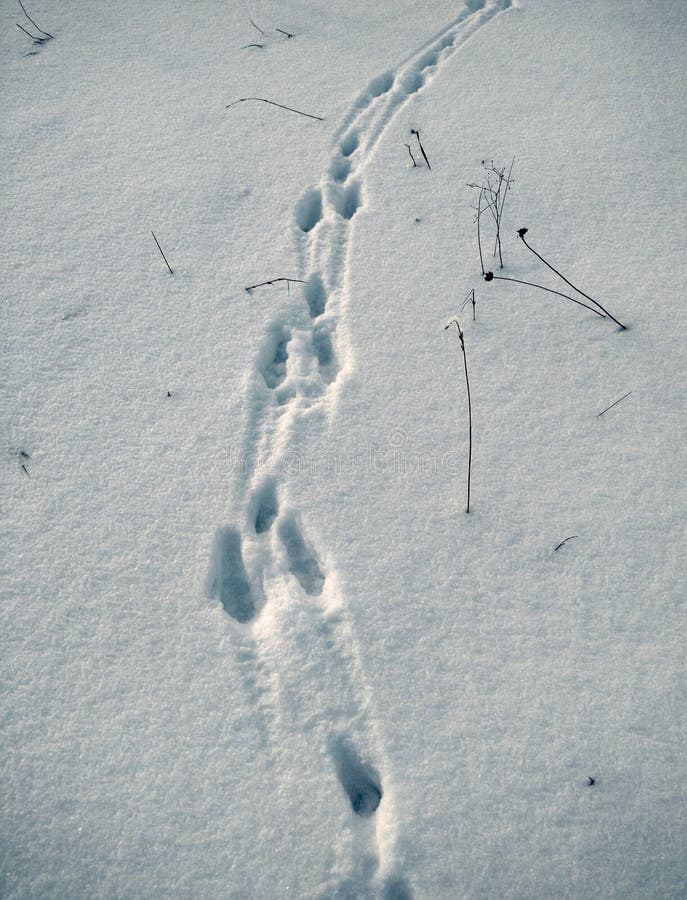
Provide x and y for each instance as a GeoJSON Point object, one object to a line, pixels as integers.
{"type": "Point", "coordinates": [253, 645]}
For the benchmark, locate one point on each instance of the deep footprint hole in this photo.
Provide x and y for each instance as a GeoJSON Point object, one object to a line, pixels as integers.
{"type": "Point", "coordinates": [309, 210]}
{"type": "Point", "coordinates": [267, 509]}
{"type": "Point", "coordinates": [340, 169]}
{"type": "Point", "coordinates": [274, 371]}
{"type": "Point", "coordinates": [382, 84]}
{"type": "Point", "coordinates": [316, 296]}
{"type": "Point", "coordinates": [230, 582]}
{"type": "Point", "coordinates": [349, 144]}
{"type": "Point", "coordinates": [349, 200]}
{"type": "Point", "coordinates": [360, 782]}
{"type": "Point", "coordinates": [303, 563]}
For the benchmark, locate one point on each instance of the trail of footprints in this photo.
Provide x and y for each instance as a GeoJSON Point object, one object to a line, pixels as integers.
{"type": "Point", "coordinates": [299, 361]}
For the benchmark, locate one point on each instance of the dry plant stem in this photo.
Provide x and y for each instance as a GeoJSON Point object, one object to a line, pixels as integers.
{"type": "Point", "coordinates": [542, 288]}
{"type": "Point", "coordinates": [245, 46]}
{"type": "Point", "coordinates": [46, 33]}
{"type": "Point", "coordinates": [274, 281]}
{"type": "Point", "coordinates": [257, 28]}
{"type": "Point", "coordinates": [467, 387]}
{"type": "Point", "coordinates": [281, 31]}
{"type": "Point", "coordinates": [163, 255]}
{"type": "Point", "coordinates": [411, 156]}
{"type": "Point", "coordinates": [479, 238]}
{"type": "Point", "coordinates": [613, 404]}
{"type": "Point", "coordinates": [548, 265]}
{"type": "Point", "coordinates": [564, 541]}
{"type": "Point", "coordinates": [36, 40]}
{"type": "Point", "coordinates": [272, 103]}
{"type": "Point", "coordinates": [422, 149]}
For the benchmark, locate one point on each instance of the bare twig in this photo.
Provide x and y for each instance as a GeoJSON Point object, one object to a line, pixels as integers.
{"type": "Point", "coordinates": [613, 404]}
{"type": "Point", "coordinates": [479, 237]}
{"type": "Point", "coordinates": [489, 276]}
{"type": "Point", "coordinates": [467, 387]}
{"type": "Point", "coordinates": [287, 33]}
{"type": "Point", "coordinates": [411, 155]}
{"type": "Point", "coordinates": [272, 103]}
{"type": "Point", "coordinates": [160, 249]}
{"type": "Point", "coordinates": [36, 40]}
{"type": "Point", "coordinates": [521, 234]}
{"type": "Point", "coordinates": [274, 281]}
{"type": "Point", "coordinates": [564, 541]}
{"type": "Point", "coordinates": [470, 298]}
{"type": "Point", "coordinates": [37, 27]}
{"type": "Point", "coordinates": [422, 149]}
{"type": "Point", "coordinates": [26, 471]}
{"type": "Point", "coordinates": [257, 27]}
{"type": "Point", "coordinates": [245, 46]}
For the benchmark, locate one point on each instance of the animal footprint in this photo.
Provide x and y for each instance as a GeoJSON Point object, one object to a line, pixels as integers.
{"type": "Point", "coordinates": [360, 781]}
{"type": "Point", "coordinates": [324, 350]}
{"type": "Point", "coordinates": [309, 210]}
{"type": "Point", "coordinates": [316, 296]}
{"type": "Point", "coordinates": [303, 563]}
{"type": "Point", "coordinates": [348, 200]}
{"type": "Point", "coordinates": [267, 507]}
{"type": "Point", "coordinates": [274, 370]}
{"type": "Point", "coordinates": [350, 143]}
{"type": "Point", "coordinates": [229, 581]}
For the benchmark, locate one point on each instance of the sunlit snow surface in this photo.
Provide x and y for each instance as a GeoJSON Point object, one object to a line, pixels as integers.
{"type": "Point", "coordinates": [253, 645]}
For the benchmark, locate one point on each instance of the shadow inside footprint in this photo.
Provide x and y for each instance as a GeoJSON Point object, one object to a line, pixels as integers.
{"type": "Point", "coordinates": [349, 200]}
{"type": "Point", "coordinates": [326, 358]}
{"type": "Point", "coordinates": [268, 507]}
{"type": "Point", "coordinates": [349, 144]}
{"type": "Point", "coordinates": [309, 210]}
{"type": "Point", "coordinates": [303, 563]}
{"type": "Point", "coordinates": [397, 889]}
{"type": "Point", "coordinates": [229, 580]}
{"type": "Point", "coordinates": [316, 296]}
{"type": "Point", "coordinates": [358, 780]}
{"type": "Point", "coordinates": [274, 371]}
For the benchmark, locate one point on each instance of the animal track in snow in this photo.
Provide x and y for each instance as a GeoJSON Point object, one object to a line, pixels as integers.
{"type": "Point", "coordinates": [303, 563]}
{"type": "Point", "coordinates": [229, 580]}
{"type": "Point", "coordinates": [350, 143]}
{"type": "Point", "coordinates": [348, 200]}
{"type": "Point", "coordinates": [324, 350]}
{"type": "Point", "coordinates": [315, 295]}
{"type": "Point", "coordinates": [380, 85]}
{"type": "Point", "coordinates": [340, 168]}
{"type": "Point", "coordinates": [360, 781]}
{"type": "Point", "coordinates": [397, 889]}
{"type": "Point", "coordinates": [309, 210]}
{"type": "Point", "coordinates": [267, 507]}
{"type": "Point", "coordinates": [274, 372]}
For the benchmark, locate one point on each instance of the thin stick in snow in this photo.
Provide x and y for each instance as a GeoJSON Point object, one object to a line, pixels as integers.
{"type": "Point", "coordinates": [160, 249]}
{"type": "Point", "coordinates": [274, 281]}
{"type": "Point", "coordinates": [564, 541]}
{"type": "Point", "coordinates": [257, 28]}
{"type": "Point", "coordinates": [489, 276]}
{"type": "Point", "coordinates": [422, 149]}
{"type": "Point", "coordinates": [470, 299]}
{"type": "Point", "coordinates": [467, 387]}
{"type": "Point", "coordinates": [272, 103]}
{"type": "Point", "coordinates": [613, 404]}
{"type": "Point", "coordinates": [521, 234]}
{"type": "Point", "coordinates": [38, 28]}
{"type": "Point", "coordinates": [281, 31]}
{"type": "Point", "coordinates": [411, 155]}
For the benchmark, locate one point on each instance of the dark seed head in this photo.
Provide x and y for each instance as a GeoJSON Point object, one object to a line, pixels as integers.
{"type": "Point", "coordinates": [522, 232]}
{"type": "Point", "coordinates": [488, 276]}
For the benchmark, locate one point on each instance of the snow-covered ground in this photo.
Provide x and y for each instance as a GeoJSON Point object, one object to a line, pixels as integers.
{"type": "Point", "coordinates": [253, 645]}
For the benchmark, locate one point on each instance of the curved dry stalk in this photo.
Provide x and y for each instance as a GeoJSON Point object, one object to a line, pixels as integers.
{"type": "Point", "coordinates": [272, 103]}
{"type": "Point", "coordinates": [489, 276]}
{"type": "Point", "coordinates": [467, 387]}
